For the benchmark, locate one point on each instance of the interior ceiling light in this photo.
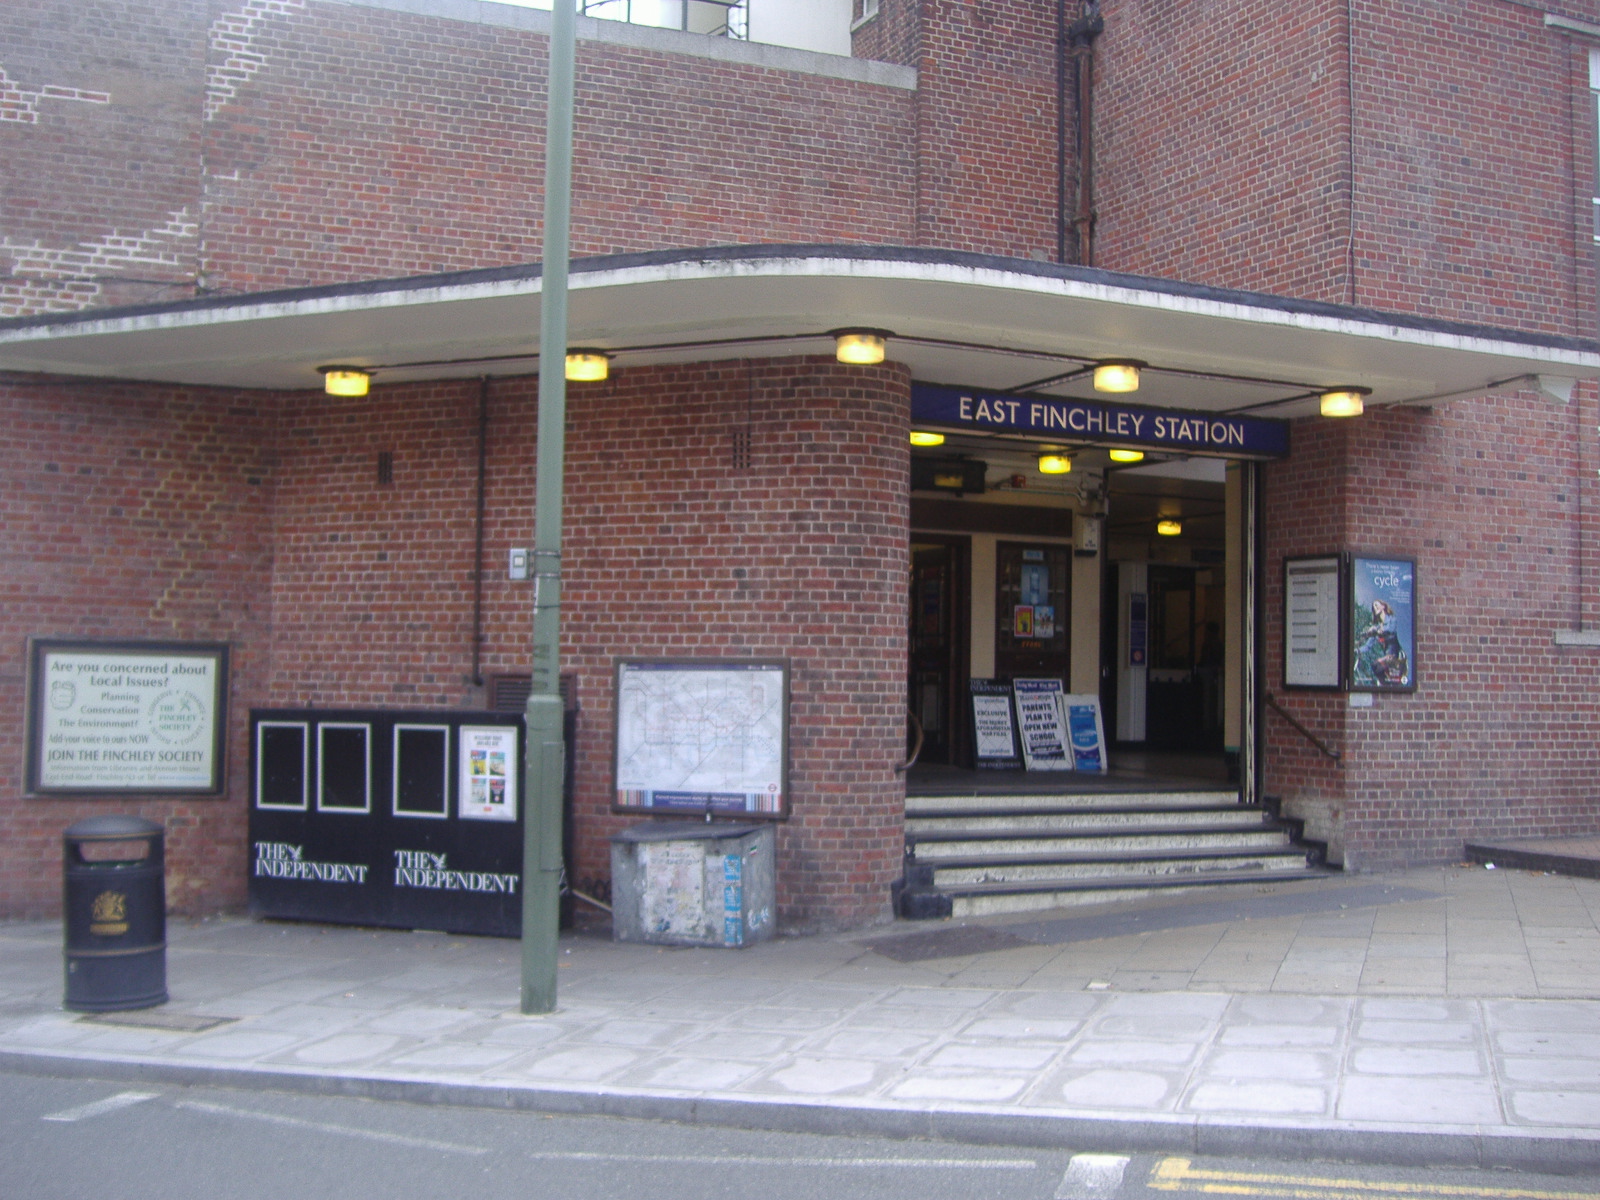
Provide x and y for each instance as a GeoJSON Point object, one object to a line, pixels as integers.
{"type": "Point", "coordinates": [588, 366]}
{"type": "Point", "coordinates": [345, 381]}
{"type": "Point", "coordinates": [1126, 456]}
{"type": "Point", "coordinates": [1167, 527]}
{"type": "Point", "coordinates": [922, 437]}
{"type": "Point", "coordinates": [1344, 401]}
{"type": "Point", "coordinates": [1054, 464]}
{"type": "Point", "coordinates": [1117, 375]}
{"type": "Point", "coordinates": [859, 347]}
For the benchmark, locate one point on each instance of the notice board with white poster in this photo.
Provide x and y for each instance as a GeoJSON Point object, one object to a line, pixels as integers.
{"type": "Point", "coordinates": [703, 736]}
{"type": "Point", "coordinates": [1044, 733]}
{"type": "Point", "coordinates": [126, 717]}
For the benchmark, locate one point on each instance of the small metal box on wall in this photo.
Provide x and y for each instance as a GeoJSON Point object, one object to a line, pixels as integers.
{"type": "Point", "coordinates": [687, 883]}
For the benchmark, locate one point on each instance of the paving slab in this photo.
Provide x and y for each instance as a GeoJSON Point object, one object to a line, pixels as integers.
{"type": "Point", "coordinates": [1262, 1024]}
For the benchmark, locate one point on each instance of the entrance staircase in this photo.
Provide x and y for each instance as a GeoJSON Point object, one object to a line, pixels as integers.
{"type": "Point", "coordinates": [972, 852]}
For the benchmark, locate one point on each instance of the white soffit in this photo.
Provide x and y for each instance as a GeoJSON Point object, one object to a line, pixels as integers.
{"type": "Point", "coordinates": [967, 320]}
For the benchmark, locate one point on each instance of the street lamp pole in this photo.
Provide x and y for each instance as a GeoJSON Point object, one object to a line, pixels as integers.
{"type": "Point", "coordinates": [546, 766]}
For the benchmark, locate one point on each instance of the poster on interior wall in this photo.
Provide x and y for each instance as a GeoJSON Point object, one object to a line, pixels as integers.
{"type": "Point", "coordinates": [702, 736]}
{"type": "Point", "coordinates": [1086, 733]}
{"type": "Point", "coordinates": [1311, 626]}
{"type": "Point", "coordinates": [126, 717]}
{"type": "Point", "coordinates": [1383, 624]}
{"type": "Point", "coordinates": [994, 734]}
{"type": "Point", "coordinates": [488, 764]}
{"type": "Point", "coordinates": [1044, 733]}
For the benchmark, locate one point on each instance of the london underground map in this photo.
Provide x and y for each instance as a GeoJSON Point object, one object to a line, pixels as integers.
{"type": "Point", "coordinates": [702, 736]}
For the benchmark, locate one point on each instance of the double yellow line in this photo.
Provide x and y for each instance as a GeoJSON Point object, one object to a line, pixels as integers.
{"type": "Point", "coordinates": [1180, 1175]}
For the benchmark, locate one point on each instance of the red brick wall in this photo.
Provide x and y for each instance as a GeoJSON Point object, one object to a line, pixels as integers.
{"type": "Point", "coordinates": [986, 127]}
{"type": "Point", "coordinates": [132, 513]}
{"type": "Point", "coordinates": [1499, 738]}
{"type": "Point", "coordinates": [1225, 144]}
{"type": "Point", "coordinates": [671, 549]}
{"type": "Point", "coordinates": [1221, 144]}
{"type": "Point", "coordinates": [99, 151]}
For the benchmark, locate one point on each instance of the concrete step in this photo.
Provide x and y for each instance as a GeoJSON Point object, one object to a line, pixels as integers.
{"type": "Point", "coordinates": [1105, 840]}
{"type": "Point", "coordinates": [1022, 802]}
{"type": "Point", "coordinates": [958, 874]}
{"type": "Point", "coordinates": [988, 899]}
{"type": "Point", "coordinates": [1050, 820]}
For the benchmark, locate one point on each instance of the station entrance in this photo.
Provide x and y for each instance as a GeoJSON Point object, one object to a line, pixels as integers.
{"type": "Point", "coordinates": [1128, 580]}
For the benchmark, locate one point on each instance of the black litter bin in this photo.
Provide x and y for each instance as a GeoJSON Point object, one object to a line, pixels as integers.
{"type": "Point", "coordinates": [115, 914]}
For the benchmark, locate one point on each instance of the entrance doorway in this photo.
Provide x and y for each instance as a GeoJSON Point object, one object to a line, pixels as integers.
{"type": "Point", "coordinates": [1126, 581]}
{"type": "Point", "coordinates": [937, 644]}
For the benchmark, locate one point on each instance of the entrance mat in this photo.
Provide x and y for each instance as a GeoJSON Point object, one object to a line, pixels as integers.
{"type": "Point", "coordinates": [950, 942]}
{"type": "Point", "coordinates": [1257, 907]}
{"type": "Point", "coordinates": [154, 1018]}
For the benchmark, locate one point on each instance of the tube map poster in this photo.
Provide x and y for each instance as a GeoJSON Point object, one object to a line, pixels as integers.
{"type": "Point", "coordinates": [706, 737]}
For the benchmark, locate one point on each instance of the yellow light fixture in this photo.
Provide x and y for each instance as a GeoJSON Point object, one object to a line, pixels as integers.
{"type": "Point", "coordinates": [859, 347]}
{"type": "Point", "coordinates": [922, 437]}
{"type": "Point", "coordinates": [1054, 464]}
{"type": "Point", "coordinates": [345, 381]}
{"type": "Point", "coordinates": [1126, 456]}
{"type": "Point", "coordinates": [1168, 527]}
{"type": "Point", "coordinates": [1344, 402]}
{"type": "Point", "coordinates": [588, 366]}
{"type": "Point", "coordinates": [1117, 375]}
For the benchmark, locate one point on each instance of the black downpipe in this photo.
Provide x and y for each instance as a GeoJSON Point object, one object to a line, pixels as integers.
{"type": "Point", "coordinates": [1081, 35]}
{"type": "Point", "coordinates": [1061, 132]}
{"type": "Point", "coordinates": [477, 571]}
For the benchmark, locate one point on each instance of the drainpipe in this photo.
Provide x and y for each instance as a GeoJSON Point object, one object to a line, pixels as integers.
{"type": "Point", "coordinates": [477, 565]}
{"type": "Point", "coordinates": [1078, 41]}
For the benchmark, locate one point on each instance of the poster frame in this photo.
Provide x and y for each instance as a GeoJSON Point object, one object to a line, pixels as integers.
{"type": "Point", "coordinates": [742, 666]}
{"type": "Point", "coordinates": [1354, 563]}
{"type": "Point", "coordinates": [1336, 682]}
{"type": "Point", "coordinates": [41, 648]}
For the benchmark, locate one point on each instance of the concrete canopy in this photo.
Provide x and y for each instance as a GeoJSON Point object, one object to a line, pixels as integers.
{"type": "Point", "coordinates": [964, 319]}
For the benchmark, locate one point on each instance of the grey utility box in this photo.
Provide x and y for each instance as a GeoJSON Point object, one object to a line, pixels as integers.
{"type": "Point", "coordinates": [688, 883]}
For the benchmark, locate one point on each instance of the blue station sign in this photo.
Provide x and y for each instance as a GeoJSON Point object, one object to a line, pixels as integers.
{"type": "Point", "coordinates": [1067, 420]}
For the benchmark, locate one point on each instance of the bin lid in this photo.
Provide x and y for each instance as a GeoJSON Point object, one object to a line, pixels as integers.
{"type": "Point", "coordinates": [686, 831]}
{"type": "Point", "coordinates": [112, 825]}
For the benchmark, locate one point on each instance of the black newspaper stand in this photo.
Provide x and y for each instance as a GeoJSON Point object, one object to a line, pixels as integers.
{"type": "Point", "coordinates": [393, 818]}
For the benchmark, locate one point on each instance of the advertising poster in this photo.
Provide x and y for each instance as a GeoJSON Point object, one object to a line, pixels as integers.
{"type": "Point", "coordinates": [994, 734]}
{"type": "Point", "coordinates": [1044, 735]}
{"type": "Point", "coordinates": [488, 773]}
{"type": "Point", "coordinates": [1383, 624]}
{"type": "Point", "coordinates": [1085, 732]}
{"type": "Point", "coordinates": [1022, 621]}
{"type": "Point", "coordinates": [126, 717]}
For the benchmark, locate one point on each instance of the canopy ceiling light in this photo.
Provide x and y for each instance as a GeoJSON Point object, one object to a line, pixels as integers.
{"type": "Point", "coordinates": [1344, 402]}
{"type": "Point", "coordinates": [922, 437]}
{"type": "Point", "coordinates": [1126, 456]}
{"type": "Point", "coordinates": [588, 366]}
{"type": "Point", "coordinates": [859, 347]}
{"type": "Point", "coordinates": [345, 381]}
{"type": "Point", "coordinates": [1054, 464]}
{"type": "Point", "coordinates": [1117, 375]}
{"type": "Point", "coordinates": [1168, 527]}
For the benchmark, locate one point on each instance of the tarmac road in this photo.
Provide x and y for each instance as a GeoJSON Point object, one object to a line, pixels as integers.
{"type": "Point", "coordinates": [76, 1139]}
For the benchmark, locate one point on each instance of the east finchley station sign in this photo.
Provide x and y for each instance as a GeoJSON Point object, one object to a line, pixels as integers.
{"type": "Point", "coordinates": [1225, 434]}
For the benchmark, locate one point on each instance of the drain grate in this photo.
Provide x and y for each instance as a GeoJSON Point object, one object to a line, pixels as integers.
{"type": "Point", "coordinates": [153, 1018]}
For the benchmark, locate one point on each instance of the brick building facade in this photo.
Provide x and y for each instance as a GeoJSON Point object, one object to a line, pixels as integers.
{"type": "Point", "coordinates": [1286, 197]}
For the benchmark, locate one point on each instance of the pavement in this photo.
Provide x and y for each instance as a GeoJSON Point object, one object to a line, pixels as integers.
{"type": "Point", "coordinates": [1446, 1016]}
